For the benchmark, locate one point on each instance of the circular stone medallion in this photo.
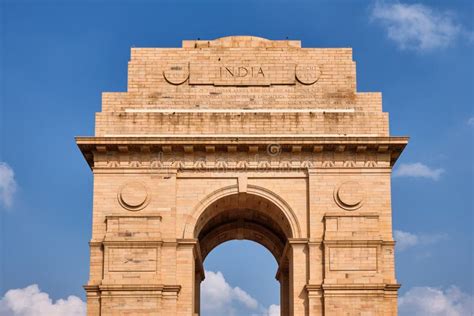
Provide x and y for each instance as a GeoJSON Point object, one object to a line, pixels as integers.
{"type": "Point", "coordinates": [133, 196]}
{"type": "Point", "coordinates": [176, 73]}
{"type": "Point", "coordinates": [349, 195]}
{"type": "Point", "coordinates": [307, 73]}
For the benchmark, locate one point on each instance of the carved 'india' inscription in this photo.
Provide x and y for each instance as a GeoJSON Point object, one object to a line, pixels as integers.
{"type": "Point", "coordinates": [245, 74]}
{"type": "Point", "coordinates": [241, 72]}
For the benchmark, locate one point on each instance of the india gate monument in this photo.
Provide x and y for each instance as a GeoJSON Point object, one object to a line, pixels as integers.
{"type": "Point", "coordinates": [242, 138]}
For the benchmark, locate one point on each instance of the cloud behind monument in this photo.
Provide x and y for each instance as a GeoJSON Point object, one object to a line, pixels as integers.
{"type": "Point", "coordinates": [8, 185]}
{"type": "Point", "coordinates": [416, 26]}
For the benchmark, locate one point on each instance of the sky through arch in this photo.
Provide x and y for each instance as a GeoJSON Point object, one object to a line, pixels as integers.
{"type": "Point", "coordinates": [255, 266]}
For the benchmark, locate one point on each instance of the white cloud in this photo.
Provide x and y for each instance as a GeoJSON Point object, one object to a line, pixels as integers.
{"type": "Point", "coordinates": [219, 298]}
{"type": "Point", "coordinates": [417, 170]}
{"type": "Point", "coordinates": [30, 301]}
{"type": "Point", "coordinates": [8, 184]}
{"type": "Point", "coordinates": [407, 240]}
{"type": "Point", "coordinates": [429, 301]}
{"type": "Point", "coordinates": [470, 121]}
{"type": "Point", "coordinates": [245, 298]}
{"type": "Point", "coordinates": [416, 26]}
{"type": "Point", "coordinates": [273, 310]}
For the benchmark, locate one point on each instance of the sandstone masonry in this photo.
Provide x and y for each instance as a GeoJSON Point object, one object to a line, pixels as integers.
{"type": "Point", "coordinates": [242, 138]}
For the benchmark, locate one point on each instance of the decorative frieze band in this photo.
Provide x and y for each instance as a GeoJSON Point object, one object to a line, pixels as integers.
{"type": "Point", "coordinates": [239, 164]}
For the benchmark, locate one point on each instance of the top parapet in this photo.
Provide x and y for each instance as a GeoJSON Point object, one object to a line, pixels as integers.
{"type": "Point", "coordinates": [241, 42]}
{"type": "Point", "coordinates": [243, 61]}
{"type": "Point", "coordinates": [242, 84]}
{"type": "Point", "coordinates": [242, 72]}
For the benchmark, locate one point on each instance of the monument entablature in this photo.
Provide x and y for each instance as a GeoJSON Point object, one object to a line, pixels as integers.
{"type": "Point", "coordinates": [242, 138]}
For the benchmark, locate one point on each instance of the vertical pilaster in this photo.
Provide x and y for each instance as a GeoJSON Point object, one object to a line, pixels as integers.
{"type": "Point", "coordinates": [298, 277]}
{"type": "Point", "coordinates": [198, 277]}
{"type": "Point", "coordinates": [93, 300]}
{"type": "Point", "coordinates": [185, 271]}
{"type": "Point", "coordinates": [169, 300]}
{"type": "Point", "coordinates": [316, 275]}
{"type": "Point", "coordinates": [283, 278]}
{"type": "Point", "coordinates": [169, 303]}
{"type": "Point", "coordinates": [315, 247]}
{"type": "Point", "coordinates": [96, 262]}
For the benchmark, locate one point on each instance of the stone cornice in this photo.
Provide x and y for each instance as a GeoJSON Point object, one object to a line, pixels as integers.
{"type": "Point", "coordinates": [346, 214]}
{"type": "Point", "coordinates": [357, 242]}
{"type": "Point", "coordinates": [253, 144]}
{"type": "Point", "coordinates": [243, 139]}
{"type": "Point", "coordinates": [360, 287]}
{"type": "Point", "coordinates": [354, 288]}
{"type": "Point", "coordinates": [135, 287]}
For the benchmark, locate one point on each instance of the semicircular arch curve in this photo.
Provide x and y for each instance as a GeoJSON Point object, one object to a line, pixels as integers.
{"type": "Point", "coordinates": [280, 203]}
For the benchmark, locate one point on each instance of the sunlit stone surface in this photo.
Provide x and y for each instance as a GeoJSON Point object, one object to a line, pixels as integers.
{"type": "Point", "coordinates": [242, 138]}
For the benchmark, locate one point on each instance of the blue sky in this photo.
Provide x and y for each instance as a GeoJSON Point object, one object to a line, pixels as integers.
{"type": "Point", "coordinates": [56, 57]}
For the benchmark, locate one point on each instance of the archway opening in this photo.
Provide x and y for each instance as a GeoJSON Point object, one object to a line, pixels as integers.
{"type": "Point", "coordinates": [240, 280]}
{"type": "Point", "coordinates": [244, 216]}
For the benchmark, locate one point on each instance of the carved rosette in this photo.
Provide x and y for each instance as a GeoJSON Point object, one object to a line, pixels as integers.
{"type": "Point", "coordinates": [176, 73]}
{"type": "Point", "coordinates": [349, 195]}
{"type": "Point", "coordinates": [307, 73]}
{"type": "Point", "coordinates": [133, 196]}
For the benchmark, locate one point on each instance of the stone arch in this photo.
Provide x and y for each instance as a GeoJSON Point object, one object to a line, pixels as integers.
{"type": "Point", "coordinates": [200, 208]}
{"type": "Point", "coordinates": [225, 232]}
{"type": "Point", "coordinates": [258, 215]}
